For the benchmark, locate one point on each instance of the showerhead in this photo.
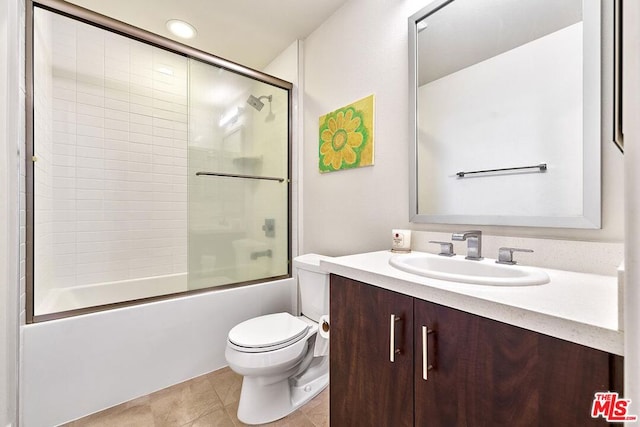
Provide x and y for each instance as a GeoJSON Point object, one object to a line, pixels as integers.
{"type": "Point", "coordinates": [256, 103]}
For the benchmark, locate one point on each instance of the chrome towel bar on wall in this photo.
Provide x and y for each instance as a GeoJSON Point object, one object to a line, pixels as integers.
{"type": "Point", "coordinates": [542, 167]}
{"type": "Point", "coordinates": [235, 175]}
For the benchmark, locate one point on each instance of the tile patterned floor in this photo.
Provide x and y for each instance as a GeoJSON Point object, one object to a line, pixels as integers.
{"type": "Point", "coordinates": [210, 400]}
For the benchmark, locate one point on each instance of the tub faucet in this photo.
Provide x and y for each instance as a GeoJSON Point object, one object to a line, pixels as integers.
{"type": "Point", "coordinates": [258, 254]}
{"type": "Point", "coordinates": [474, 243]}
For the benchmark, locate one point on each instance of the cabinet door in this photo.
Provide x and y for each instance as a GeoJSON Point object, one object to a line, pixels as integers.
{"type": "Point", "coordinates": [487, 373]}
{"type": "Point", "coordinates": [367, 389]}
{"type": "Point", "coordinates": [570, 374]}
{"type": "Point", "coordinates": [482, 374]}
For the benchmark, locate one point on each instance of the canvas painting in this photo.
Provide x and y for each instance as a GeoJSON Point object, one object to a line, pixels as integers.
{"type": "Point", "coordinates": [346, 136]}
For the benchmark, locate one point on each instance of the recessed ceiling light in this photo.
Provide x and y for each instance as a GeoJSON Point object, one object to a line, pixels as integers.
{"type": "Point", "coordinates": [181, 29]}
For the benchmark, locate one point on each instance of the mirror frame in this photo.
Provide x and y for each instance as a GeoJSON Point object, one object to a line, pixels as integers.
{"type": "Point", "coordinates": [592, 133]}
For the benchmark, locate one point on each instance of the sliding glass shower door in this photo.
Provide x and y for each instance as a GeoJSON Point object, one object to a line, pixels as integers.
{"type": "Point", "coordinates": [238, 178]}
{"type": "Point", "coordinates": [155, 170]}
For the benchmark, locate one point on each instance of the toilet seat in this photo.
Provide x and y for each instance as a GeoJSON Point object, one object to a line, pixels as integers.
{"type": "Point", "coordinates": [267, 333]}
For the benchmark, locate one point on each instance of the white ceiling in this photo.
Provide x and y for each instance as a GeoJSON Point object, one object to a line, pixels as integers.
{"type": "Point", "coordinates": [249, 32]}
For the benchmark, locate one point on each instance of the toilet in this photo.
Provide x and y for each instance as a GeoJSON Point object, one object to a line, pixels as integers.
{"type": "Point", "coordinates": [277, 354]}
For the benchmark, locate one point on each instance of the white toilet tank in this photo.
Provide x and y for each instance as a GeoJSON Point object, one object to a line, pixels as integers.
{"type": "Point", "coordinates": [313, 285]}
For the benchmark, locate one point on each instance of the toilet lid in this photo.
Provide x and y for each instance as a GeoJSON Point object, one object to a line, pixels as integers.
{"type": "Point", "coordinates": [268, 331]}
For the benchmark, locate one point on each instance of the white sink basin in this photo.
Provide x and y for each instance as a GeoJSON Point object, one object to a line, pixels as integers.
{"type": "Point", "coordinates": [458, 269]}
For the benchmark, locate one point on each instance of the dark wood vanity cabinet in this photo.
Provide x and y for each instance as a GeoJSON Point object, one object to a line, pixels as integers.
{"type": "Point", "coordinates": [482, 372]}
{"type": "Point", "coordinates": [365, 388]}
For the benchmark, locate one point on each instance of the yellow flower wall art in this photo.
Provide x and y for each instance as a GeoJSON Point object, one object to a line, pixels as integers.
{"type": "Point", "coordinates": [346, 137]}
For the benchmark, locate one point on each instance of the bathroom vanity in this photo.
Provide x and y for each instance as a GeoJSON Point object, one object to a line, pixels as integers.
{"type": "Point", "coordinates": [410, 350]}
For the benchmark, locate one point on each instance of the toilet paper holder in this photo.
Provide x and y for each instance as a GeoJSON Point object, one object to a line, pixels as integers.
{"type": "Point", "coordinates": [325, 326]}
{"type": "Point", "coordinates": [322, 338]}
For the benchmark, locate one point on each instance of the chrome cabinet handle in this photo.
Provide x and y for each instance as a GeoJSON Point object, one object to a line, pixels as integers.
{"type": "Point", "coordinates": [392, 338]}
{"type": "Point", "coordinates": [425, 353]}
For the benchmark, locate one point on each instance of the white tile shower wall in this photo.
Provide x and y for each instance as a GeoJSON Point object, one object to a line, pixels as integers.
{"type": "Point", "coordinates": [44, 115]}
{"type": "Point", "coordinates": [119, 163]}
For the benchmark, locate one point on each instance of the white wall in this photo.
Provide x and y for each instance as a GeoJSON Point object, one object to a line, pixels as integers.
{"type": "Point", "coordinates": [362, 49]}
{"type": "Point", "coordinates": [6, 391]}
{"type": "Point", "coordinates": [631, 128]}
{"type": "Point", "coordinates": [11, 233]}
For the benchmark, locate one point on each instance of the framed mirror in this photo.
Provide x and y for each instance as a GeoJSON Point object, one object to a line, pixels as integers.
{"type": "Point", "coordinates": [505, 113]}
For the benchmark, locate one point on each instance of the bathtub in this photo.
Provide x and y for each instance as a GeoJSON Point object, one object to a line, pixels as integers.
{"type": "Point", "coordinates": [79, 365]}
{"type": "Point", "coordinates": [71, 298]}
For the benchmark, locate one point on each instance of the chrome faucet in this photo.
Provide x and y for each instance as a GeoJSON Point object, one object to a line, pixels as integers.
{"type": "Point", "coordinates": [258, 254]}
{"type": "Point", "coordinates": [505, 255]}
{"type": "Point", "coordinates": [446, 248]}
{"type": "Point", "coordinates": [474, 243]}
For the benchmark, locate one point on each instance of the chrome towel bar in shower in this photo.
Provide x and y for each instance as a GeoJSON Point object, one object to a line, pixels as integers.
{"type": "Point", "coordinates": [235, 175]}
{"type": "Point", "coordinates": [541, 166]}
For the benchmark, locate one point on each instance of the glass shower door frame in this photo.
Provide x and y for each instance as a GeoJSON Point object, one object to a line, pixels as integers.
{"type": "Point", "coordinates": [114, 26]}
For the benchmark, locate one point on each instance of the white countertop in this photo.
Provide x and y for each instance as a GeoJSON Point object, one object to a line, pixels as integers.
{"type": "Point", "coordinates": [577, 307]}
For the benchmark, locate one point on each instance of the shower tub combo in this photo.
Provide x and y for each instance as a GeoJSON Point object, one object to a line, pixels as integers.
{"type": "Point", "coordinates": [158, 209]}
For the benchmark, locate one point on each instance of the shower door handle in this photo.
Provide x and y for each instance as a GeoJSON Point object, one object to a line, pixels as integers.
{"type": "Point", "coordinates": [237, 175]}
